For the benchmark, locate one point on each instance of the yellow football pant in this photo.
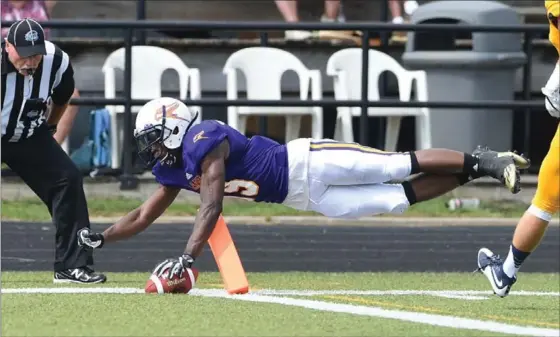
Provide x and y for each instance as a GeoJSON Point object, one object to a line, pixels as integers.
{"type": "Point", "coordinates": [547, 198]}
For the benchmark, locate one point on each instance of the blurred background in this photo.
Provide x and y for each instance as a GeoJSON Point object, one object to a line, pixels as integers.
{"type": "Point", "coordinates": [526, 130]}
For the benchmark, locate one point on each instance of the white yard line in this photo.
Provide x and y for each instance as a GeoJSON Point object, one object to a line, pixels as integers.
{"type": "Point", "coordinates": [463, 297]}
{"type": "Point", "coordinates": [73, 290]}
{"type": "Point", "coordinates": [396, 292]}
{"type": "Point", "coordinates": [280, 292]}
{"type": "Point", "coordinates": [409, 316]}
{"type": "Point", "coordinates": [276, 297]}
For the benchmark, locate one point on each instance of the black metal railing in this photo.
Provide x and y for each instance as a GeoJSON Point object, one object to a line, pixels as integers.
{"type": "Point", "coordinates": [129, 181]}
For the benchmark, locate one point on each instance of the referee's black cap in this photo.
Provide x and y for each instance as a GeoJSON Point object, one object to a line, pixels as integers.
{"type": "Point", "coordinates": [28, 37]}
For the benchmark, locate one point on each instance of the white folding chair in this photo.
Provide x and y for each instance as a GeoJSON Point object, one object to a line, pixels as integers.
{"type": "Point", "coordinates": [345, 66]}
{"type": "Point", "coordinates": [148, 65]}
{"type": "Point", "coordinates": [263, 68]}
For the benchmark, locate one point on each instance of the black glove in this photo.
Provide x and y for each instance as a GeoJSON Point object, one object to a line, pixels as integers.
{"type": "Point", "coordinates": [90, 240]}
{"type": "Point", "coordinates": [176, 266]}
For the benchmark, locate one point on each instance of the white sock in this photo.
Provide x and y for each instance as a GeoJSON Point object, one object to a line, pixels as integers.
{"type": "Point", "coordinates": [509, 265]}
{"type": "Point", "coordinates": [398, 20]}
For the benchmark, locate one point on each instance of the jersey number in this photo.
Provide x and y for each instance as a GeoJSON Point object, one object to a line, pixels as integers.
{"type": "Point", "coordinates": [241, 188]}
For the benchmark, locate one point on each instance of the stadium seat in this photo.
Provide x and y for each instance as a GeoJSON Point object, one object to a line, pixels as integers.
{"type": "Point", "coordinates": [263, 68]}
{"type": "Point", "coordinates": [148, 65]}
{"type": "Point", "coordinates": [345, 67]}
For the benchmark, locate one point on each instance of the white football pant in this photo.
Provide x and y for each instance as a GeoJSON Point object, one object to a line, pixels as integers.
{"type": "Point", "coordinates": [345, 180]}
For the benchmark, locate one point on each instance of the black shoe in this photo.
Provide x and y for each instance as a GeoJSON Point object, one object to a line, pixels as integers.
{"type": "Point", "coordinates": [83, 275]}
{"type": "Point", "coordinates": [503, 166]}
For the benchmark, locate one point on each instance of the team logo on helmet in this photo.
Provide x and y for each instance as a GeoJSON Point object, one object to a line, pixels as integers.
{"type": "Point", "coordinates": [169, 112]}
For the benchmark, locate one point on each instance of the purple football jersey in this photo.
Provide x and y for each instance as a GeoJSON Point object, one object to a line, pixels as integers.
{"type": "Point", "coordinates": [257, 167]}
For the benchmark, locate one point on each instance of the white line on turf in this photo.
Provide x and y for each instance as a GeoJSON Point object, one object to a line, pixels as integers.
{"type": "Point", "coordinates": [409, 316]}
{"type": "Point", "coordinates": [396, 292]}
{"type": "Point", "coordinates": [72, 290]}
{"type": "Point", "coordinates": [283, 292]}
{"type": "Point", "coordinates": [274, 296]}
{"type": "Point", "coordinates": [462, 297]}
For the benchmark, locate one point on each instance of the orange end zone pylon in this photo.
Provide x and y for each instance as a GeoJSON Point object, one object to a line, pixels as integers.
{"type": "Point", "coordinates": [227, 259]}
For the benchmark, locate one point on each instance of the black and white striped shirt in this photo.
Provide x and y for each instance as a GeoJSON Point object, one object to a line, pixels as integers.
{"type": "Point", "coordinates": [24, 98]}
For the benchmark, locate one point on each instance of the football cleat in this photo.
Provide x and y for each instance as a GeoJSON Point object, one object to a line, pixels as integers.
{"type": "Point", "coordinates": [503, 166]}
{"type": "Point", "coordinates": [491, 266]}
{"type": "Point", "coordinates": [519, 160]}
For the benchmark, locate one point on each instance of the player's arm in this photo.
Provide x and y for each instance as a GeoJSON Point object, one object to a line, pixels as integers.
{"type": "Point", "coordinates": [61, 96]}
{"type": "Point", "coordinates": [212, 184]}
{"type": "Point", "coordinates": [134, 222]}
{"type": "Point", "coordinates": [67, 120]}
{"type": "Point", "coordinates": [139, 219]}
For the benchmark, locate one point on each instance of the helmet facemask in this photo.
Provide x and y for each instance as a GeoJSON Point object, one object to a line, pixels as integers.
{"type": "Point", "coordinates": [147, 139]}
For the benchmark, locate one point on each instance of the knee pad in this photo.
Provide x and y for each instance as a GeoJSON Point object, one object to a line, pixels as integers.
{"type": "Point", "coordinates": [395, 200]}
{"type": "Point", "coordinates": [361, 200]}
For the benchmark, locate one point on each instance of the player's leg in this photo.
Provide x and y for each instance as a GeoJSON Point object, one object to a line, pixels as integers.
{"type": "Point", "coordinates": [336, 163]}
{"type": "Point", "coordinates": [54, 178]}
{"type": "Point", "coordinates": [546, 203]}
{"type": "Point", "coordinates": [530, 228]}
{"type": "Point", "coordinates": [351, 201]}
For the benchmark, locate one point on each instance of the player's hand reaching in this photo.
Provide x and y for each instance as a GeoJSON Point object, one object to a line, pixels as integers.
{"type": "Point", "coordinates": [174, 267]}
{"type": "Point", "coordinates": [88, 239]}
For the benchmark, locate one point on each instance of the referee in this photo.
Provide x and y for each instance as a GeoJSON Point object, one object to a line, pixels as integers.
{"type": "Point", "coordinates": [37, 83]}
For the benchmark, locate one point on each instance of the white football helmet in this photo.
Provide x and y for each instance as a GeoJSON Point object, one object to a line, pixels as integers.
{"type": "Point", "coordinates": [162, 120]}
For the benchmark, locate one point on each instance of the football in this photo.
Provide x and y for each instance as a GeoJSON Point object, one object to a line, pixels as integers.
{"type": "Point", "coordinates": [176, 285]}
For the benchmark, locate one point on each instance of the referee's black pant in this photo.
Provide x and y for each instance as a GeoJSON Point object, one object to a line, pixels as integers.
{"type": "Point", "coordinates": [44, 166]}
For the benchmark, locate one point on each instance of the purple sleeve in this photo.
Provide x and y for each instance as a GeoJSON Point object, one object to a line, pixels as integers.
{"type": "Point", "coordinates": [162, 177]}
{"type": "Point", "coordinates": [158, 178]}
{"type": "Point", "coordinates": [199, 142]}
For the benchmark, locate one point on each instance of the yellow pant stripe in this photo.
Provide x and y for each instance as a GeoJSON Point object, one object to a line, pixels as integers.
{"type": "Point", "coordinates": [320, 146]}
